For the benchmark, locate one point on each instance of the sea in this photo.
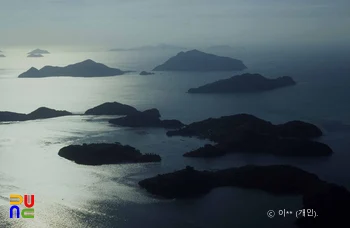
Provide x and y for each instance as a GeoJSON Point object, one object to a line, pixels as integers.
{"type": "Point", "coordinates": [71, 195]}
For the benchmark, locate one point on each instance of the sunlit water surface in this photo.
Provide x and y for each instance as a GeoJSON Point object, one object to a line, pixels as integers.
{"type": "Point", "coordinates": [70, 195]}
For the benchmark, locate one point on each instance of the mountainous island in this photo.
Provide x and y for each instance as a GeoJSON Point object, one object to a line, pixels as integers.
{"type": "Point", "coordinates": [38, 51]}
{"type": "Point", "coordinates": [40, 113]}
{"type": "Point", "coordinates": [195, 60]}
{"type": "Point", "coordinates": [245, 133]}
{"type": "Point", "coordinates": [87, 68]}
{"type": "Point", "coordinates": [330, 201]}
{"type": "Point", "coordinates": [105, 153]}
{"type": "Point", "coordinates": [245, 83]}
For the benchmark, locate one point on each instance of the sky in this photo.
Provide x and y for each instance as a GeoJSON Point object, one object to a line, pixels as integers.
{"type": "Point", "coordinates": [130, 23]}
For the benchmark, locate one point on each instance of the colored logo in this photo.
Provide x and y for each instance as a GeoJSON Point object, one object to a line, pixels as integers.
{"type": "Point", "coordinates": [17, 200]}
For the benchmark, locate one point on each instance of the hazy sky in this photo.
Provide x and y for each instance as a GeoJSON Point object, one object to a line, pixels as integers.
{"type": "Point", "coordinates": [127, 23]}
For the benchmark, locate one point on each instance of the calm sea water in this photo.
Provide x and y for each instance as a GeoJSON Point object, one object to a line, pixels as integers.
{"type": "Point", "coordinates": [70, 195]}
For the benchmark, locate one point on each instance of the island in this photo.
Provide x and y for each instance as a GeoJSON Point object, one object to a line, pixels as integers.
{"type": "Point", "coordinates": [146, 73]}
{"type": "Point", "coordinates": [87, 68]}
{"type": "Point", "coordinates": [244, 133]}
{"type": "Point", "coordinates": [330, 201]}
{"type": "Point", "coordinates": [105, 153]}
{"type": "Point", "coordinates": [111, 108]}
{"type": "Point", "coordinates": [2, 56]}
{"type": "Point", "coordinates": [38, 52]}
{"type": "Point", "coordinates": [195, 60]}
{"type": "Point", "coordinates": [40, 113]}
{"type": "Point", "coordinates": [245, 83]}
{"type": "Point", "coordinates": [35, 56]}
{"type": "Point", "coordinates": [148, 118]}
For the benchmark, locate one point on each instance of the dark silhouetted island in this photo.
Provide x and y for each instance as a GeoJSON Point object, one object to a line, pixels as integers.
{"type": "Point", "coordinates": [105, 153]}
{"type": "Point", "coordinates": [245, 83]}
{"type": "Point", "coordinates": [249, 134]}
{"type": "Point", "coordinates": [111, 108]}
{"type": "Point", "coordinates": [35, 56]}
{"type": "Point", "coordinates": [330, 201]}
{"type": "Point", "coordinates": [148, 118]}
{"type": "Point", "coordinates": [40, 113]}
{"type": "Point", "coordinates": [38, 52]}
{"type": "Point", "coordinates": [200, 61]}
{"type": "Point", "coordinates": [146, 73]}
{"type": "Point", "coordinates": [87, 68]}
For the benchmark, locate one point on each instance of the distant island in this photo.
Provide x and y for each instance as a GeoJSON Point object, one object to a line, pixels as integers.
{"type": "Point", "coordinates": [330, 201]}
{"type": "Point", "coordinates": [38, 52]}
{"type": "Point", "coordinates": [195, 60]}
{"type": "Point", "coordinates": [245, 83]}
{"type": "Point", "coordinates": [160, 47]}
{"type": "Point", "coordinates": [243, 133]}
{"type": "Point", "coordinates": [2, 56]}
{"type": "Point", "coordinates": [146, 73]}
{"type": "Point", "coordinates": [87, 68]}
{"type": "Point", "coordinates": [105, 153]}
{"type": "Point", "coordinates": [148, 118]}
{"type": "Point", "coordinates": [40, 113]}
{"type": "Point", "coordinates": [35, 56]}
